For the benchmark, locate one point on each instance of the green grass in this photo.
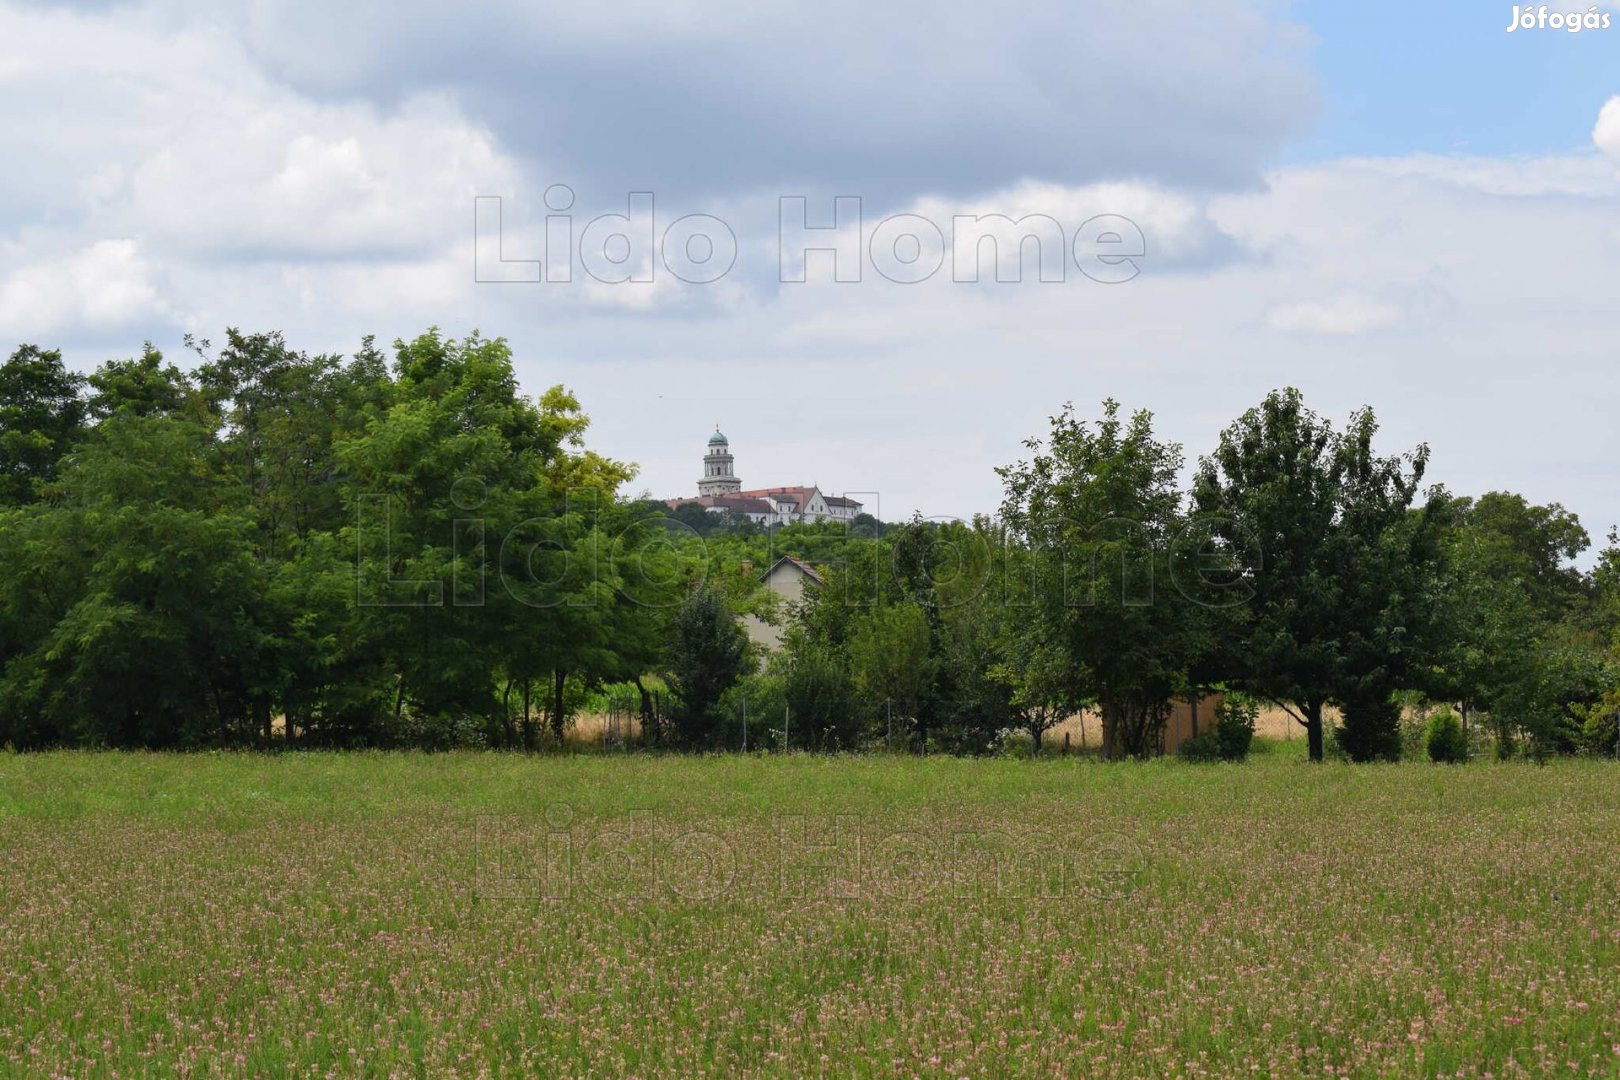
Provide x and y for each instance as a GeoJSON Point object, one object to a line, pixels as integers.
{"type": "Point", "coordinates": [594, 915]}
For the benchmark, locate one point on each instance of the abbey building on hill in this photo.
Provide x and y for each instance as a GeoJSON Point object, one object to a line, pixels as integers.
{"type": "Point", "coordinates": [721, 491]}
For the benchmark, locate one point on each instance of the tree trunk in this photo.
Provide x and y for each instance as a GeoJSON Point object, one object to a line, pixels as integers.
{"type": "Point", "coordinates": [558, 677]}
{"type": "Point", "coordinates": [1036, 732]}
{"type": "Point", "coordinates": [261, 716]}
{"type": "Point", "coordinates": [649, 726]}
{"type": "Point", "coordinates": [528, 721]}
{"type": "Point", "coordinates": [506, 715]}
{"type": "Point", "coordinates": [1313, 728]}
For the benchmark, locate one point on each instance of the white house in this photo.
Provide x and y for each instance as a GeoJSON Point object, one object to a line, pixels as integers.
{"type": "Point", "coordinates": [787, 578]}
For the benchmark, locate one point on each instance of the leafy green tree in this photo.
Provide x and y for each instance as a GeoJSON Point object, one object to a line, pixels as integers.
{"type": "Point", "coordinates": [1517, 635]}
{"type": "Point", "coordinates": [983, 619]}
{"type": "Point", "coordinates": [1533, 546]}
{"type": "Point", "coordinates": [1317, 524]}
{"type": "Point", "coordinates": [457, 542]}
{"type": "Point", "coordinates": [145, 386]}
{"type": "Point", "coordinates": [696, 517]}
{"type": "Point", "coordinates": [709, 654]}
{"type": "Point", "coordinates": [1606, 589]}
{"type": "Point", "coordinates": [653, 575]}
{"type": "Point", "coordinates": [331, 680]}
{"type": "Point", "coordinates": [1550, 693]}
{"type": "Point", "coordinates": [755, 708]}
{"type": "Point", "coordinates": [892, 670]}
{"type": "Point", "coordinates": [1040, 688]}
{"type": "Point", "coordinates": [143, 611]}
{"type": "Point", "coordinates": [281, 414]}
{"type": "Point", "coordinates": [822, 710]}
{"type": "Point", "coordinates": [378, 557]}
{"type": "Point", "coordinates": [1098, 507]}
{"type": "Point", "coordinates": [42, 416]}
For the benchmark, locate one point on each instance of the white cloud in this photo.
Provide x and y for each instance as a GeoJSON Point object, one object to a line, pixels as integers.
{"type": "Point", "coordinates": [1344, 315]}
{"type": "Point", "coordinates": [106, 286]}
{"type": "Point", "coordinates": [305, 181]}
{"type": "Point", "coordinates": [174, 145]}
{"type": "Point", "coordinates": [1562, 174]}
{"type": "Point", "coordinates": [1606, 133]}
{"type": "Point", "coordinates": [1175, 225]}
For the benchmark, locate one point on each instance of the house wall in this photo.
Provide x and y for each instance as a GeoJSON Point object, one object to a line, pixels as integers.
{"type": "Point", "coordinates": [787, 582]}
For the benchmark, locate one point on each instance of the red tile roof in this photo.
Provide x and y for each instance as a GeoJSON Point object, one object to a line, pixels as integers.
{"type": "Point", "coordinates": [803, 567]}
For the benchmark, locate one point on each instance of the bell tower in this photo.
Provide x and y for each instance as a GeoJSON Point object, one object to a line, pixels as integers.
{"type": "Point", "coordinates": [718, 479]}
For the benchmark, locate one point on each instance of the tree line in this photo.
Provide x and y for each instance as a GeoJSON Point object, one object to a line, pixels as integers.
{"type": "Point", "coordinates": [281, 548]}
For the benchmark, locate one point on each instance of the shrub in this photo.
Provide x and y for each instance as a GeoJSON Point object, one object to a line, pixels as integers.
{"type": "Point", "coordinates": [1230, 738]}
{"type": "Point", "coordinates": [756, 702]}
{"type": "Point", "coordinates": [438, 731]}
{"type": "Point", "coordinates": [1445, 739]}
{"type": "Point", "coordinates": [1235, 718]}
{"type": "Point", "coordinates": [1371, 731]}
{"type": "Point", "coordinates": [1416, 712]}
{"type": "Point", "coordinates": [1015, 748]}
{"type": "Point", "coordinates": [823, 712]}
{"type": "Point", "coordinates": [1204, 746]}
{"type": "Point", "coordinates": [1598, 733]}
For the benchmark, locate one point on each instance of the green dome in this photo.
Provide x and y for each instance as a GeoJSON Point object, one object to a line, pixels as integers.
{"type": "Point", "coordinates": [718, 439]}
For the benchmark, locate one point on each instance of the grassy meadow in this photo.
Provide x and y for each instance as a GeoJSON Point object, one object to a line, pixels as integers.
{"type": "Point", "coordinates": [592, 915]}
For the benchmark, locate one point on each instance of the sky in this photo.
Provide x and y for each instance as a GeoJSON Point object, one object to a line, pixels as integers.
{"type": "Point", "coordinates": [1402, 206]}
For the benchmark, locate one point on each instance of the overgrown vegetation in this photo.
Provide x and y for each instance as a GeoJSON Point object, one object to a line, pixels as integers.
{"type": "Point", "coordinates": [1232, 736]}
{"type": "Point", "coordinates": [277, 548]}
{"type": "Point", "coordinates": [1444, 738]}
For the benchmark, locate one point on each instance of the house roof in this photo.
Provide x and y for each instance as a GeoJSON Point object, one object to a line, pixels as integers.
{"type": "Point", "coordinates": [743, 504]}
{"type": "Point", "coordinates": [803, 567]}
{"type": "Point", "coordinates": [729, 502]}
{"type": "Point", "coordinates": [801, 494]}
{"type": "Point", "coordinates": [798, 494]}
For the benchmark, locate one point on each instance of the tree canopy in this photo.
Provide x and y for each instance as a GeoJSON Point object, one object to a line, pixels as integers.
{"type": "Point", "coordinates": [402, 548]}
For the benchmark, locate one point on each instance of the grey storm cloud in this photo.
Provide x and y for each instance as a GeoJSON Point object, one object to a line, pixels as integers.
{"type": "Point", "coordinates": [702, 101]}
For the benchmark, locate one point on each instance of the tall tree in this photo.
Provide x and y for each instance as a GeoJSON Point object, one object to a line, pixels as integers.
{"type": "Point", "coordinates": [141, 598]}
{"type": "Point", "coordinates": [438, 489]}
{"type": "Point", "coordinates": [709, 653]}
{"type": "Point", "coordinates": [1520, 637]}
{"type": "Point", "coordinates": [1098, 507]}
{"type": "Point", "coordinates": [893, 669]}
{"type": "Point", "coordinates": [1317, 524]}
{"type": "Point", "coordinates": [1507, 579]}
